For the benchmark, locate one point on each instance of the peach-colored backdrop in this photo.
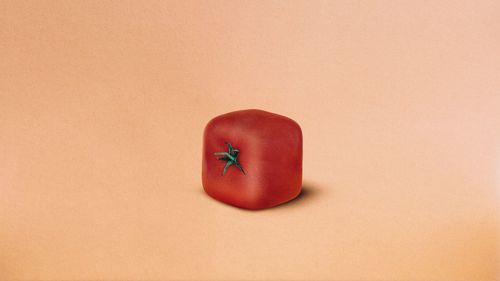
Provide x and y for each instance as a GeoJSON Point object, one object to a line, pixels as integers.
{"type": "Point", "coordinates": [103, 103]}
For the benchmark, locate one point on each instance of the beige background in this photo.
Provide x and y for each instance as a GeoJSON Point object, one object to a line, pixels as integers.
{"type": "Point", "coordinates": [103, 103]}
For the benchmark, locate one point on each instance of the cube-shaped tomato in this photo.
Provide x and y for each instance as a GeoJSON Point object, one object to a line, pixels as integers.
{"type": "Point", "coordinates": [252, 159]}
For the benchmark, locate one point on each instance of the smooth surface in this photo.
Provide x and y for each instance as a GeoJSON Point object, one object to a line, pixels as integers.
{"type": "Point", "coordinates": [103, 104]}
{"type": "Point", "coordinates": [270, 153]}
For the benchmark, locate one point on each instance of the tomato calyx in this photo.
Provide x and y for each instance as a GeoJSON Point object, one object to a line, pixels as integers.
{"type": "Point", "coordinates": [231, 157]}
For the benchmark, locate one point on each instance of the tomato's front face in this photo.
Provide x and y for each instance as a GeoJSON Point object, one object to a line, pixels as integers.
{"type": "Point", "coordinates": [252, 159]}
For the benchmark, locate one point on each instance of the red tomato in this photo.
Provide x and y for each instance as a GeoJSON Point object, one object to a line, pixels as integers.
{"type": "Point", "coordinates": [252, 159]}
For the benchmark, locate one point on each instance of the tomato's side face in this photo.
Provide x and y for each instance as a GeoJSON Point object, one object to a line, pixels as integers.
{"type": "Point", "coordinates": [261, 154]}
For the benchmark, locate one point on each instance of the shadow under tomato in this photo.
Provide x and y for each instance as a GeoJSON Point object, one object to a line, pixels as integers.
{"type": "Point", "coordinates": [308, 194]}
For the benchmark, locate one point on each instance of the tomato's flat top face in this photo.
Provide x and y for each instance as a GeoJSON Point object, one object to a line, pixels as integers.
{"type": "Point", "coordinates": [257, 122]}
{"type": "Point", "coordinates": [269, 151]}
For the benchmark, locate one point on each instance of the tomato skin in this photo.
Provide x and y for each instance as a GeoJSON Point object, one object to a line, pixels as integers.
{"type": "Point", "coordinates": [270, 152]}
